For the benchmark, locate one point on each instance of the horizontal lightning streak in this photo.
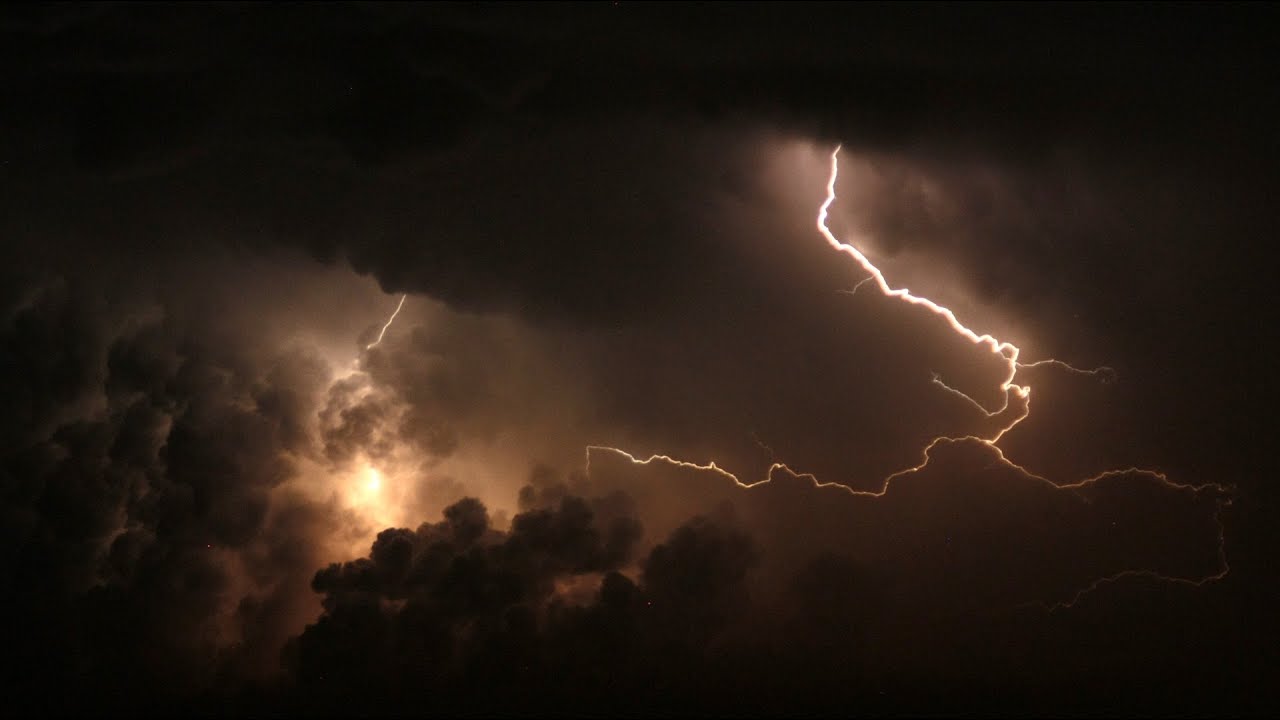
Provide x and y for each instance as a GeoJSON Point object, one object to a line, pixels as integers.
{"type": "Point", "coordinates": [1104, 373]}
{"type": "Point", "coordinates": [926, 455]}
{"type": "Point", "coordinates": [1223, 567]}
{"type": "Point", "coordinates": [1150, 575]}
{"type": "Point", "coordinates": [1009, 353]}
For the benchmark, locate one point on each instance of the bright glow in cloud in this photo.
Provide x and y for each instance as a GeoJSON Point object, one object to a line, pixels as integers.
{"type": "Point", "coordinates": [375, 495]}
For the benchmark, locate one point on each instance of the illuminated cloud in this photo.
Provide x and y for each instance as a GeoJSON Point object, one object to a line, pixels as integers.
{"type": "Point", "coordinates": [278, 284]}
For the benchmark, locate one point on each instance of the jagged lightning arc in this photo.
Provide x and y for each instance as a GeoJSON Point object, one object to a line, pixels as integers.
{"type": "Point", "coordinates": [1223, 566]}
{"type": "Point", "coordinates": [390, 320]}
{"type": "Point", "coordinates": [1009, 353]}
{"type": "Point", "coordinates": [1006, 350]}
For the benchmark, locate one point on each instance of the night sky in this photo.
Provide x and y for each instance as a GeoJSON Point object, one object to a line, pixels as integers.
{"type": "Point", "coordinates": [436, 359]}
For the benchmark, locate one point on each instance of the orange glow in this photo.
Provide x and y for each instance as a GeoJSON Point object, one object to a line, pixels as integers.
{"type": "Point", "coordinates": [364, 488]}
{"type": "Point", "coordinates": [373, 494]}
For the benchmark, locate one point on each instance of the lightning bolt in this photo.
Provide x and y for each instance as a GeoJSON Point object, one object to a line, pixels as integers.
{"type": "Point", "coordinates": [1009, 354]}
{"type": "Point", "coordinates": [390, 320]}
{"type": "Point", "coordinates": [1150, 575]}
{"type": "Point", "coordinates": [927, 456]}
{"type": "Point", "coordinates": [857, 287]}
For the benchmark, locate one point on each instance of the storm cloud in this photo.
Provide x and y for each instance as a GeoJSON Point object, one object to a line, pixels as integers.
{"type": "Point", "coordinates": [637, 439]}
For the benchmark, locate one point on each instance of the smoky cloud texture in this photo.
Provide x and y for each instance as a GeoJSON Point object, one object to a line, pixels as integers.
{"type": "Point", "coordinates": [219, 496]}
{"type": "Point", "coordinates": [152, 537]}
{"type": "Point", "coordinates": [782, 589]}
{"type": "Point", "coordinates": [452, 609]}
{"type": "Point", "coordinates": [157, 525]}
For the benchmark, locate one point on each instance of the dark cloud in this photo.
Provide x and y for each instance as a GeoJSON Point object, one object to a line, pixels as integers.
{"type": "Point", "coordinates": [449, 608]}
{"type": "Point", "coordinates": [603, 218]}
{"type": "Point", "coordinates": [141, 505]}
{"type": "Point", "coordinates": [438, 614]}
{"type": "Point", "coordinates": [717, 617]}
{"type": "Point", "coordinates": [418, 142]}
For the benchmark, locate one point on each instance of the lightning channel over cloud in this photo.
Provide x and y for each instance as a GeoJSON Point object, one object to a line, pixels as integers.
{"type": "Point", "coordinates": [1006, 350]}
{"type": "Point", "coordinates": [390, 320]}
{"type": "Point", "coordinates": [1009, 354]}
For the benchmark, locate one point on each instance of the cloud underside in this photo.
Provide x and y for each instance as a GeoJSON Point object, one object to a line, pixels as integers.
{"type": "Point", "coordinates": [159, 512]}
{"type": "Point", "coordinates": [780, 588]}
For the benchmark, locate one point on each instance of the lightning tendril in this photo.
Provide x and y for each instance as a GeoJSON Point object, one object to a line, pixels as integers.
{"type": "Point", "coordinates": [1009, 353]}
{"type": "Point", "coordinates": [390, 320]}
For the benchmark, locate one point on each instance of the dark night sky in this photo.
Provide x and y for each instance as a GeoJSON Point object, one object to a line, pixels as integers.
{"type": "Point", "coordinates": [220, 493]}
